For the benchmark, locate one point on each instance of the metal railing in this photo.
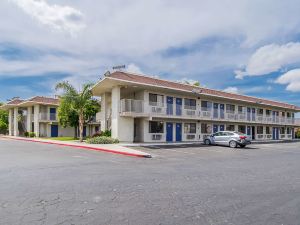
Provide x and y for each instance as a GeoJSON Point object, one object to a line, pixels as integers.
{"type": "Point", "coordinates": [132, 106]}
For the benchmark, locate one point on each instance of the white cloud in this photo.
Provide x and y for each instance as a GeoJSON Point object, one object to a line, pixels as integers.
{"type": "Point", "coordinates": [271, 58]}
{"type": "Point", "coordinates": [63, 18]}
{"type": "Point", "coordinates": [134, 68]}
{"type": "Point", "coordinates": [233, 90]}
{"type": "Point", "coordinates": [292, 79]}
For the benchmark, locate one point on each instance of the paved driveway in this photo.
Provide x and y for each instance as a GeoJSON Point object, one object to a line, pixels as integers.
{"type": "Point", "coordinates": [45, 184]}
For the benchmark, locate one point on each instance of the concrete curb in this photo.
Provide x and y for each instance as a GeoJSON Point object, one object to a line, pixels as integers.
{"type": "Point", "coordinates": [141, 154]}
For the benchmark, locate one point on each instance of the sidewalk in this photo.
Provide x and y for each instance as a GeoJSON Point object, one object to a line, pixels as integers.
{"type": "Point", "coordinates": [110, 148]}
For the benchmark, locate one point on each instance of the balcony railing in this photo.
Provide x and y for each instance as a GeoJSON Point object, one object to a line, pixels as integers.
{"type": "Point", "coordinates": [133, 107]}
{"type": "Point", "coordinates": [48, 116]}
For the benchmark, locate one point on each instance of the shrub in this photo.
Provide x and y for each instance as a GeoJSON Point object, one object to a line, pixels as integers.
{"type": "Point", "coordinates": [102, 140]}
{"type": "Point", "coordinates": [26, 134]}
{"type": "Point", "coordinates": [98, 134]}
{"type": "Point", "coordinates": [106, 133]}
{"type": "Point", "coordinates": [32, 134]}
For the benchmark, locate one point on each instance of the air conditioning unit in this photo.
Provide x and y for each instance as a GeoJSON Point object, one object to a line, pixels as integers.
{"type": "Point", "coordinates": [156, 137]}
{"type": "Point", "coordinates": [190, 136]}
{"type": "Point", "coordinates": [157, 110]}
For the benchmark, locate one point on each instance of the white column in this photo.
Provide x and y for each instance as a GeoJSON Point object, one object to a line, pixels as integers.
{"type": "Point", "coordinates": [16, 128]}
{"type": "Point", "coordinates": [10, 121]}
{"type": "Point", "coordinates": [36, 120]}
{"type": "Point", "coordinates": [29, 112]}
{"type": "Point", "coordinates": [122, 127]}
{"type": "Point", "coordinates": [104, 109]}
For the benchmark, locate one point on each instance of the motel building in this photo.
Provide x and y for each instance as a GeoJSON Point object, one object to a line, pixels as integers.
{"type": "Point", "coordinates": [39, 115]}
{"type": "Point", "coordinates": [140, 108]}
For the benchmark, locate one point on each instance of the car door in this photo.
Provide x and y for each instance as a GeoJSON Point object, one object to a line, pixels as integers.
{"type": "Point", "coordinates": [217, 138]}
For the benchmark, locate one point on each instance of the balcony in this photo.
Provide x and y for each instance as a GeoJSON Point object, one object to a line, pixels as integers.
{"type": "Point", "coordinates": [48, 116]}
{"type": "Point", "coordinates": [140, 108]}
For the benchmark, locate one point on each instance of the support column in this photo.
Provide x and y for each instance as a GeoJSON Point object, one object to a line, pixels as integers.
{"type": "Point", "coordinates": [36, 120]}
{"type": "Point", "coordinates": [16, 127]}
{"type": "Point", "coordinates": [10, 121]}
{"type": "Point", "coordinates": [104, 111]}
{"type": "Point", "coordinates": [122, 127]}
{"type": "Point", "coordinates": [29, 112]}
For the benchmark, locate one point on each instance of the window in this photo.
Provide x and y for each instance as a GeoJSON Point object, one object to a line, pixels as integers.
{"type": "Point", "coordinates": [268, 130]}
{"type": "Point", "coordinates": [283, 114]}
{"type": "Point", "coordinates": [156, 127]}
{"type": "Point", "coordinates": [288, 130]}
{"type": "Point", "coordinates": [241, 109]}
{"type": "Point", "coordinates": [205, 105]}
{"type": "Point", "coordinates": [242, 129]}
{"type": "Point", "coordinates": [288, 114]}
{"type": "Point", "coordinates": [268, 112]}
{"type": "Point", "coordinates": [260, 111]}
{"type": "Point", "coordinates": [230, 108]}
{"type": "Point", "coordinates": [205, 128]}
{"type": "Point", "coordinates": [156, 100]}
{"type": "Point", "coordinates": [282, 130]}
{"type": "Point", "coordinates": [190, 104]}
{"type": "Point", "coordinates": [260, 130]}
{"type": "Point", "coordinates": [230, 127]}
{"type": "Point", "coordinates": [190, 128]}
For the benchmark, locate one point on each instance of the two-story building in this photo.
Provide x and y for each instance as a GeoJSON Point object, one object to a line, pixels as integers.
{"type": "Point", "coordinates": [39, 115]}
{"type": "Point", "coordinates": [139, 108]}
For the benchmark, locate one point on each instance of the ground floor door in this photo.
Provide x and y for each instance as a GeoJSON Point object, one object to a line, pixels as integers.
{"type": "Point", "coordinates": [84, 131]}
{"type": "Point", "coordinates": [169, 131]}
{"type": "Point", "coordinates": [253, 132]}
{"type": "Point", "coordinates": [215, 128]}
{"type": "Point", "coordinates": [178, 131]}
{"type": "Point", "coordinates": [275, 133]}
{"type": "Point", "coordinates": [249, 131]}
{"type": "Point", "coordinates": [54, 130]}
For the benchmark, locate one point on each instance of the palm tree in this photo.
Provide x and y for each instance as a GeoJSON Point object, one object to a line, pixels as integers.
{"type": "Point", "coordinates": [79, 101]}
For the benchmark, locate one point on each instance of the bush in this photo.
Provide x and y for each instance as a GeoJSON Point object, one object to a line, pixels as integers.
{"type": "Point", "coordinates": [32, 134]}
{"type": "Point", "coordinates": [106, 133]}
{"type": "Point", "coordinates": [102, 140]}
{"type": "Point", "coordinates": [26, 134]}
{"type": "Point", "coordinates": [98, 134]}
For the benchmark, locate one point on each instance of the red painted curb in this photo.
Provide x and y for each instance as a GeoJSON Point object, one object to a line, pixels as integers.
{"type": "Point", "coordinates": [84, 147]}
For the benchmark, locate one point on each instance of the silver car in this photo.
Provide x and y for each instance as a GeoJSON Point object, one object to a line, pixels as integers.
{"type": "Point", "coordinates": [228, 138]}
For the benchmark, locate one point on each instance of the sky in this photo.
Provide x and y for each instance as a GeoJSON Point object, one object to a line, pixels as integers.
{"type": "Point", "coordinates": [250, 47]}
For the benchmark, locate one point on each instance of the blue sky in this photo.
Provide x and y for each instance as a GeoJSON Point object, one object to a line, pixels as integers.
{"type": "Point", "coordinates": [246, 47]}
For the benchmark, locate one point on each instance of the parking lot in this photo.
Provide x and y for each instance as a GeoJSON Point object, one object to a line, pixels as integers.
{"type": "Point", "coordinates": [47, 184]}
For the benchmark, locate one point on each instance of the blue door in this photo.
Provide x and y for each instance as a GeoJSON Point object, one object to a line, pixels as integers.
{"type": "Point", "coordinates": [253, 114]}
{"type": "Point", "coordinates": [215, 128]}
{"type": "Point", "coordinates": [216, 110]}
{"type": "Point", "coordinates": [54, 130]}
{"type": "Point", "coordinates": [222, 106]}
{"type": "Point", "coordinates": [249, 114]}
{"type": "Point", "coordinates": [169, 132]}
{"type": "Point", "coordinates": [275, 133]}
{"type": "Point", "coordinates": [178, 132]}
{"type": "Point", "coordinates": [52, 113]}
{"type": "Point", "coordinates": [169, 105]}
{"type": "Point", "coordinates": [222, 127]}
{"type": "Point", "coordinates": [248, 130]}
{"type": "Point", "coordinates": [178, 106]}
{"type": "Point", "coordinates": [84, 132]}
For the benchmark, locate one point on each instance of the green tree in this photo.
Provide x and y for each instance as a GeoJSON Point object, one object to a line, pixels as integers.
{"type": "Point", "coordinates": [195, 83]}
{"type": "Point", "coordinates": [78, 104]}
{"type": "Point", "coordinates": [67, 116]}
{"type": "Point", "coordinates": [3, 121]}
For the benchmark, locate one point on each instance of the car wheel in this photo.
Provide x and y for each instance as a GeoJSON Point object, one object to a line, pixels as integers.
{"type": "Point", "coordinates": [232, 144]}
{"type": "Point", "coordinates": [207, 142]}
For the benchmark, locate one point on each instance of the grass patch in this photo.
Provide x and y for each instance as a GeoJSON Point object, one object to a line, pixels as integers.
{"type": "Point", "coordinates": [62, 138]}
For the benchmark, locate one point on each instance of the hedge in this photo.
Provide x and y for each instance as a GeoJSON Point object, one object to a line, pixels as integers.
{"type": "Point", "coordinates": [102, 140]}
